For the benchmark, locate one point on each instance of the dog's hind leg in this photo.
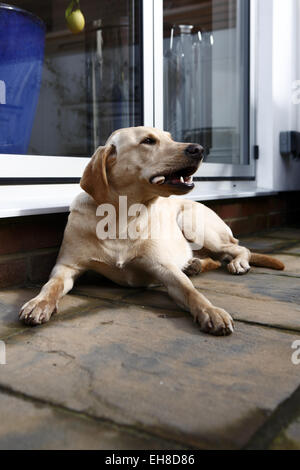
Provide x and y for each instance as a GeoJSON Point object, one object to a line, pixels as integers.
{"type": "Point", "coordinates": [196, 266]}
{"type": "Point", "coordinates": [214, 236]}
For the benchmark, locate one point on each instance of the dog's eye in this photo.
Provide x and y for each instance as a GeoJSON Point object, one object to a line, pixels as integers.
{"type": "Point", "coordinates": [149, 141]}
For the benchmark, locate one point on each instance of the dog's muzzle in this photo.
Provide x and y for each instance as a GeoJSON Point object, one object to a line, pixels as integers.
{"type": "Point", "coordinates": [195, 151]}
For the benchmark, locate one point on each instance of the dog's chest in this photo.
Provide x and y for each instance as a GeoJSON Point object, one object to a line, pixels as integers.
{"type": "Point", "coordinates": [119, 262]}
{"type": "Point", "coordinates": [116, 253]}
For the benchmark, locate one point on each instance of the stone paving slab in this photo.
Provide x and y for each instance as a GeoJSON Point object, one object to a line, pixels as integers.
{"type": "Point", "coordinates": [122, 368]}
{"type": "Point", "coordinates": [107, 291]}
{"type": "Point", "coordinates": [273, 313]}
{"type": "Point", "coordinates": [294, 250]}
{"type": "Point", "coordinates": [265, 312]}
{"type": "Point", "coordinates": [283, 233]}
{"type": "Point", "coordinates": [11, 300]}
{"type": "Point", "coordinates": [28, 425]}
{"type": "Point", "coordinates": [254, 285]}
{"type": "Point", "coordinates": [156, 373]}
{"type": "Point", "coordinates": [289, 438]}
{"type": "Point", "coordinates": [274, 302]}
{"type": "Point", "coordinates": [265, 245]}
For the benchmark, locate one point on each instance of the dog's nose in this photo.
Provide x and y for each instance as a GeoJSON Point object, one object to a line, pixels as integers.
{"type": "Point", "coordinates": [194, 151]}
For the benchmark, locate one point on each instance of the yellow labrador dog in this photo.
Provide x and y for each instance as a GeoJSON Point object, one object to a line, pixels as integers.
{"type": "Point", "coordinates": [170, 238]}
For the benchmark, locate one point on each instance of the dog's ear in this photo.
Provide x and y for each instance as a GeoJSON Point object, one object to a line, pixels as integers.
{"type": "Point", "coordinates": [94, 180]}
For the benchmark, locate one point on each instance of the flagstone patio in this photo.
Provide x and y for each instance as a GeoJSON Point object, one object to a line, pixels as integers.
{"type": "Point", "coordinates": [127, 369]}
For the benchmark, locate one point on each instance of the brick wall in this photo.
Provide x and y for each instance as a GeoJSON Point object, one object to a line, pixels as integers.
{"type": "Point", "coordinates": [247, 216]}
{"type": "Point", "coordinates": [29, 245]}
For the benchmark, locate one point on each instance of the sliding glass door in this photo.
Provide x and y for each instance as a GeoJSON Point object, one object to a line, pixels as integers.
{"type": "Point", "coordinates": [206, 76]}
{"type": "Point", "coordinates": [181, 65]}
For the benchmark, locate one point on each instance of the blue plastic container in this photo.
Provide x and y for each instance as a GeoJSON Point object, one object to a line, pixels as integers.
{"type": "Point", "coordinates": [22, 41]}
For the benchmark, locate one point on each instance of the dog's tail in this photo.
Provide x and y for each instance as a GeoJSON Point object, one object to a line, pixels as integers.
{"type": "Point", "coordinates": [265, 261]}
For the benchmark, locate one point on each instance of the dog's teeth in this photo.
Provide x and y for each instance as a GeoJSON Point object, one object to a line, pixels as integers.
{"type": "Point", "coordinates": [188, 179]}
{"type": "Point", "coordinates": [159, 180]}
{"type": "Point", "coordinates": [182, 179]}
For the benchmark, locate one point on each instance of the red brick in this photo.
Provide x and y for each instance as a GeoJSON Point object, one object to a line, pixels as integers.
{"type": "Point", "coordinates": [231, 211]}
{"type": "Point", "coordinates": [246, 226]}
{"type": "Point", "coordinates": [28, 235]}
{"type": "Point", "coordinates": [13, 272]}
{"type": "Point", "coordinates": [277, 220]}
{"type": "Point", "coordinates": [292, 201]}
{"type": "Point", "coordinates": [254, 207]}
{"type": "Point", "coordinates": [213, 205]}
{"type": "Point", "coordinates": [260, 223]}
{"type": "Point", "coordinates": [41, 265]}
{"type": "Point", "coordinates": [240, 227]}
{"type": "Point", "coordinates": [293, 217]}
{"type": "Point", "coordinates": [277, 204]}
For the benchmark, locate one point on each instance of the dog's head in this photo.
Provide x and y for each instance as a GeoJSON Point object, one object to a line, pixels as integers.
{"type": "Point", "coordinates": [141, 162]}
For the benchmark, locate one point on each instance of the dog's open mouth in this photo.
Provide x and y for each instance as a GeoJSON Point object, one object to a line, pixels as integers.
{"type": "Point", "coordinates": [182, 178]}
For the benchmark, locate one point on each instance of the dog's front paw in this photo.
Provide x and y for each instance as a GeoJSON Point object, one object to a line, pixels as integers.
{"type": "Point", "coordinates": [37, 311]}
{"type": "Point", "coordinates": [215, 321]}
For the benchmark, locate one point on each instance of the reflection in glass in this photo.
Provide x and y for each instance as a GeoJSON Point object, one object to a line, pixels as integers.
{"type": "Point", "coordinates": [206, 70]}
{"type": "Point", "coordinates": [91, 81]}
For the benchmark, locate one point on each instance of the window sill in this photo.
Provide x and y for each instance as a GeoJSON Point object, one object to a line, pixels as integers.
{"type": "Point", "coordinates": [16, 201]}
{"type": "Point", "coordinates": [223, 194]}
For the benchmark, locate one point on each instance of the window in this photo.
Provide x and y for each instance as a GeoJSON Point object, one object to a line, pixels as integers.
{"type": "Point", "coordinates": [184, 65]}
{"type": "Point", "coordinates": [206, 81]}
{"type": "Point", "coordinates": [62, 94]}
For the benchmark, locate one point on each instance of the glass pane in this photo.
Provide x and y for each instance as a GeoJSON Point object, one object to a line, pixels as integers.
{"type": "Point", "coordinates": [206, 76]}
{"type": "Point", "coordinates": [81, 88]}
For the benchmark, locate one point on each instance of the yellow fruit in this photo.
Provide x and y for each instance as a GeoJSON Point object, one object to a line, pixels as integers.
{"type": "Point", "coordinates": [76, 21]}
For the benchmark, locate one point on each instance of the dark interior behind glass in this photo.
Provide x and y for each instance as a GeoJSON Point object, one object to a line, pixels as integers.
{"type": "Point", "coordinates": [91, 82]}
{"type": "Point", "coordinates": [206, 76]}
